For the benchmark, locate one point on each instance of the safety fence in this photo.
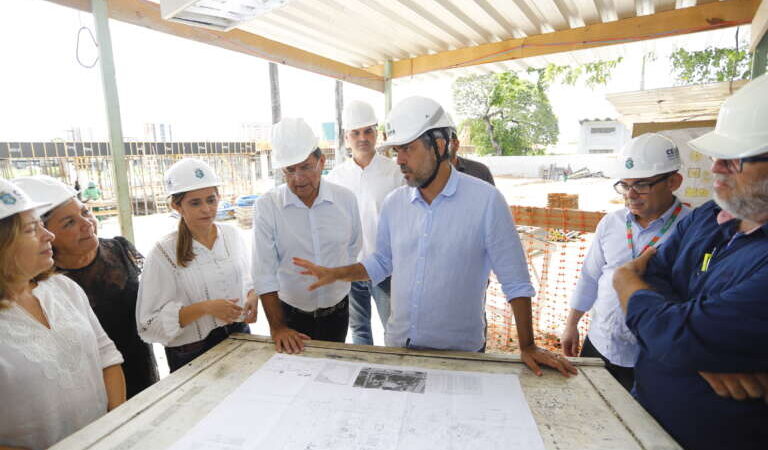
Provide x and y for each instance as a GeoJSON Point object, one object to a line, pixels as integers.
{"type": "Point", "coordinates": [555, 242]}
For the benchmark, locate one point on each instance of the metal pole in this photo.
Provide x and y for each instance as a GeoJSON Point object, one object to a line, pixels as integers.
{"type": "Point", "coordinates": [274, 89]}
{"type": "Point", "coordinates": [341, 151]}
{"type": "Point", "coordinates": [109, 84]}
{"type": "Point", "coordinates": [760, 57]}
{"type": "Point", "coordinates": [387, 86]}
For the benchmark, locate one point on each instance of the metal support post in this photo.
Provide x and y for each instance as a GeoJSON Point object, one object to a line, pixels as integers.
{"type": "Point", "coordinates": [109, 84]}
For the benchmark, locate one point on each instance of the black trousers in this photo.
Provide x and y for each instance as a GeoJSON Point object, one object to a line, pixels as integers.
{"type": "Point", "coordinates": [624, 375]}
{"type": "Point", "coordinates": [331, 327]}
{"type": "Point", "coordinates": [184, 354]}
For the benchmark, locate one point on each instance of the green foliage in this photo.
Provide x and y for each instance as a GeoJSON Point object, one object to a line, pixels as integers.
{"type": "Point", "coordinates": [713, 64]}
{"type": "Point", "coordinates": [506, 114]}
{"type": "Point", "coordinates": [593, 74]}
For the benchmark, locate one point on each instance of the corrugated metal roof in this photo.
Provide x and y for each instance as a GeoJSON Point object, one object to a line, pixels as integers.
{"type": "Point", "coordinates": [363, 33]}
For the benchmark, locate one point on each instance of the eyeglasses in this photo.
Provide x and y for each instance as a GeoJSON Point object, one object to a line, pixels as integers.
{"type": "Point", "coordinates": [737, 165]}
{"type": "Point", "coordinates": [641, 187]}
{"type": "Point", "coordinates": [304, 170]}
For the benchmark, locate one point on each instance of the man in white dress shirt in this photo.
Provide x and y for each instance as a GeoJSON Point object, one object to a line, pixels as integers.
{"type": "Point", "coordinates": [648, 176]}
{"type": "Point", "coordinates": [307, 217]}
{"type": "Point", "coordinates": [371, 177]}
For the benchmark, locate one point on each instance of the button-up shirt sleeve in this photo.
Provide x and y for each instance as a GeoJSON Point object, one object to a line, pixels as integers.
{"type": "Point", "coordinates": [505, 251]}
{"type": "Point", "coordinates": [720, 332]}
{"type": "Point", "coordinates": [660, 266]}
{"type": "Point", "coordinates": [585, 294]}
{"type": "Point", "coordinates": [356, 237]}
{"type": "Point", "coordinates": [379, 264]}
{"type": "Point", "coordinates": [265, 258]}
{"type": "Point", "coordinates": [158, 304]}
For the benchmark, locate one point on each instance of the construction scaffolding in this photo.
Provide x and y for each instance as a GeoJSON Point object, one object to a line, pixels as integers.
{"type": "Point", "coordinates": [244, 167]}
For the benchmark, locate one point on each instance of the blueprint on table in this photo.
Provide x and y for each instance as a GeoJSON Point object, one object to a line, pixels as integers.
{"type": "Point", "coordinates": [300, 403]}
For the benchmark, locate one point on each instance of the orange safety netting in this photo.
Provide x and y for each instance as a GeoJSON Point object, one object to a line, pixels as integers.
{"type": "Point", "coordinates": [555, 242]}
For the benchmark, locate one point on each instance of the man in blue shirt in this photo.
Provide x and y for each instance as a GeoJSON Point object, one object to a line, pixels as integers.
{"type": "Point", "coordinates": [648, 176]}
{"type": "Point", "coordinates": [439, 237]}
{"type": "Point", "coordinates": [699, 307]}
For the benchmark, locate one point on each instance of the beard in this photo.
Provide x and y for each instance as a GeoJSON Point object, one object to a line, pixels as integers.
{"type": "Point", "coordinates": [749, 202]}
{"type": "Point", "coordinates": [418, 176]}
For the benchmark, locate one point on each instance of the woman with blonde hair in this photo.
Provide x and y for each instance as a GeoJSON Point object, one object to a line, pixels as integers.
{"type": "Point", "coordinates": [59, 370]}
{"type": "Point", "coordinates": [196, 286]}
{"type": "Point", "coordinates": [107, 270]}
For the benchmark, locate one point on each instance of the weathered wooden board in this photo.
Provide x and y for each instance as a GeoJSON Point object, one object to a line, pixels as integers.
{"type": "Point", "coordinates": [589, 411]}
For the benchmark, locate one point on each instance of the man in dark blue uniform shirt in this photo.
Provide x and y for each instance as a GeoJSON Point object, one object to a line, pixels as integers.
{"type": "Point", "coordinates": [699, 306]}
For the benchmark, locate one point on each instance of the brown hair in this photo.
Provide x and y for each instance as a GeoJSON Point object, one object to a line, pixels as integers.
{"type": "Point", "coordinates": [10, 229]}
{"type": "Point", "coordinates": [184, 253]}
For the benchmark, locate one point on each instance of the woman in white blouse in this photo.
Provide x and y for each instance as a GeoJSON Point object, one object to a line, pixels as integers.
{"type": "Point", "coordinates": [196, 286]}
{"type": "Point", "coordinates": [58, 369]}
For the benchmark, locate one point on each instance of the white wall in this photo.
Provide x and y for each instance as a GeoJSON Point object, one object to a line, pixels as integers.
{"type": "Point", "coordinates": [530, 166]}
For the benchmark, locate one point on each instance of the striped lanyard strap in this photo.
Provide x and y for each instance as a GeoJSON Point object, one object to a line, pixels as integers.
{"type": "Point", "coordinates": [655, 240]}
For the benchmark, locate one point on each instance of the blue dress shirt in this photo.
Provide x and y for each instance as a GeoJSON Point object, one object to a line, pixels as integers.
{"type": "Point", "coordinates": [440, 256]}
{"type": "Point", "coordinates": [594, 290]}
{"type": "Point", "coordinates": [695, 320]}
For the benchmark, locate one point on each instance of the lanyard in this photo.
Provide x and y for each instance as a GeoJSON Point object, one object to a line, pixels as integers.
{"type": "Point", "coordinates": [655, 239]}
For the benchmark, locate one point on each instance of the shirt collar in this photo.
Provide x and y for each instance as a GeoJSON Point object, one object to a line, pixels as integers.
{"type": "Point", "coordinates": [324, 195]}
{"type": "Point", "coordinates": [448, 190]}
{"type": "Point", "coordinates": [731, 228]}
{"type": "Point", "coordinates": [662, 219]}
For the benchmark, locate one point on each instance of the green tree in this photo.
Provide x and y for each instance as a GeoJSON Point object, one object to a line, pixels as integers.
{"type": "Point", "coordinates": [711, 65]}
{"type": "Point", "coordinates": [506, 115]}
{"type": "Point", "coordinates": [592, 74]}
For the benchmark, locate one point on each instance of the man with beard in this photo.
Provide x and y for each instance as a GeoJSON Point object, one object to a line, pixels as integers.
{"type": "Point", "coordinates": [439, 237]}
{"type": "Point", "coordinates": [648, 177]}
{"type": "Point", "coordinates": [699, 307]}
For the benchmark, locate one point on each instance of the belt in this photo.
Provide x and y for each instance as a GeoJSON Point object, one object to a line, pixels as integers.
{"type": "Point", "coordinates": [320, 312]}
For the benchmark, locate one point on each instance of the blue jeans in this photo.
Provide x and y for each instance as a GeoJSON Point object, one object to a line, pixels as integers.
{"type": "Point", "coordinates": [360, 308]}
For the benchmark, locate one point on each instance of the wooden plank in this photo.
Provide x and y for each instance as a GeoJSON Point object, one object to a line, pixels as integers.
{"type": "Point", "coordinates": [704, 17]}
{"type": "Point", "coordinates": [571, 413]}
{"type": "Point", "coordinates": [565, 219]}
{"type": "Point", "coordinates": [641, 424]}
{"type": "Point", "coordinates": [469, 356]}
{"type": "Point", "coordinates": [147, 14]}
{"type": "Point", "coordinates": [655, 127]}
{"type": "Point", "coordinates": [673, 104]}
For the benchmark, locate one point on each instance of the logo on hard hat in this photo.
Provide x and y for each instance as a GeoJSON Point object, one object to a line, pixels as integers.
{"type": "Point", "coordinates": [672, 153]}
{"type": "Point", "coordinates": [199, 173]}
{"type": "Point", "coordinates": [629, 163]}
{"type": "Point", "coordinates": [7, 198]}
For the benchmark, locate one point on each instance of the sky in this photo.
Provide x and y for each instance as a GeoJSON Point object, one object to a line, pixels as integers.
{"type": "Point", "coordinates": [207, 93]}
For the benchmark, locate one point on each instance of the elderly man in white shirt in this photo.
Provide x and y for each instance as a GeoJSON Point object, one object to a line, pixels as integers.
{"type": "Point", "coordinates": [648, 175]}
{"type": "Point", "coordinates": [307, 217]}
{"type": "Point", "coordinates": [371, 177]}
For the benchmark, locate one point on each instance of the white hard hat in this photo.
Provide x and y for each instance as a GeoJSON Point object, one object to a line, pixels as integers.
{"type": "Point", "coordinates": [742, 124]}
{"type": "Point", "coordinates": [648, 155]}
{"type": "Point", "coordinates": [14, 200]}
{"type": "Point", "coordinates": [358, 114]}
{"type": "Point", "coordinates": [411, 118]}
{"type": "Point", "coordinates": [42, 188]}
{"type": "Point", "coordinates": [292, 142]}
{"type": "Point", "coordinates": [189, 174]}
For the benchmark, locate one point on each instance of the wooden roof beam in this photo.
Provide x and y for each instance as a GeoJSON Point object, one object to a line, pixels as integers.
{"type": "Point", "coordinates": [705, 17]}
{"type": "Point", "coordinates": [147, 14]}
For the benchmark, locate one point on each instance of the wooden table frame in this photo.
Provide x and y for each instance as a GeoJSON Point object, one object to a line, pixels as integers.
{"type": "Point", "coordinates": [589, 411]}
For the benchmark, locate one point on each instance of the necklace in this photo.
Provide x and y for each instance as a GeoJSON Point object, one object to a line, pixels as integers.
{"type": "Point", "coordinates": [655, 240]}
